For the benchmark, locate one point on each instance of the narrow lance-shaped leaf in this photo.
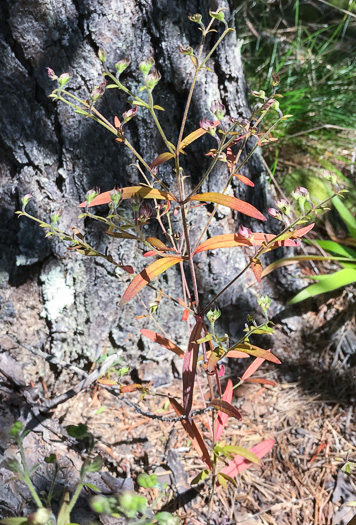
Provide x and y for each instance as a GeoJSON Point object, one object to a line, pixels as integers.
{"type": "Point", "coordinates": [232, 240]}
{"type": "Point", "coordinates": [190, 366]}
{"type": "Point", "coordinates": [239, 463]}
{"type": "Point", "coordinates": [222, 416]}
{"type": "Point", "coordinates": [143, 191]}
{"type": "Point", "coordinates": [254, 366]}
{"type": "Point", "coordinates": [163, 157]}
{"type": "Point", "coordinates": [147, 275]}
{"type": "Point", "coordinates": [244, 180]}
{"type": "Point", "coordinates": [260, 380]}
{"type": "Point", "coordinates": [159, 245]}
{"type": "Point", "coordinates": [231, 202]}
{"type": "Point", "coordinates": [193, 433]}
{"type": "Point", "coordinates": [163, 341]}
{"type": "Point", "coordinates": [255, 351]}
{"type": "Point", "coordinates": [328, 283]}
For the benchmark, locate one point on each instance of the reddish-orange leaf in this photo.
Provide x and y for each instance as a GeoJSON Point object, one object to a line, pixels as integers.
{"type": "Point", "coordinates": [255, 365]}
{"type": "Point", "coordinates": [163, 341]}
{"type": "Point", "coordinates": [230, 202]}
{"type": "Point", "coordinates": [130, 388]}
{"type": "Point", "coordinates": [163, 157]}
{"type": "Point", "coordinates": [226, 407]}
{"type": "Point", "coordinates": [297, 233]}
{"type": "Point", "coordinates": [232, 240]}
{"type": "Point", "coordinates": [185, 315]}
{"type": "Point", "coordinates": [159, 245]}
{"type": "Point", "coordinates": [190, 366]}
{"type": "Point", "coordinates": [244, 179]}
{"type": "Point", "coordinates": [146, 276]}
{"type": "Point", "coordinates": [239, 463]}
{"type": "Point", "coordinates": [222, 416]}
{"type": "Point", "coordinates": [117, 123]}
{"type": "Point", "coordinates": [150, 253]}
{"type": "Point", "coordinates": [260, 380]}
{"type": "Point", "coordinates": [127, 193]}
{"type": "Point", "coordinates": [256, 267]}
{"type": "Point", "coordinates": [235, 354]}
{"type": "Point", "coordinates": [192, 430]}
{"type": "Point", "coordinates": [107, 382]}
{"type": "Point", "coordinates": [255, 351]}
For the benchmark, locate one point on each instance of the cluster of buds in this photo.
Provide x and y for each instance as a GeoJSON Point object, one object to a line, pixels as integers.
{"type": "Point", "coordinates": [144, 213]}
{"type": "Point", "coordinates": [259, 94]}
{"type": "Point", "coordinates": [209, 125]}
{"type": "Point", "coordinates": [218, 109]}
{"type": "Point", "coordinates": [97, 92]}
{"type": "Point", "coordinates": [264, 302]}
{"type": "Point", "coordinates": [152, 80]}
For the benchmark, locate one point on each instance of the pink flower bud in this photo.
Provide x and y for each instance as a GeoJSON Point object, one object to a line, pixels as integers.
{"type": "Point", "coordinates": [51, 74]}
{"type": "Point", "coordinates": [276, 214]}
{"type": "Point", "coordinates": [129, 114]}
{"type": "Point", "coordinates": [245, 232]}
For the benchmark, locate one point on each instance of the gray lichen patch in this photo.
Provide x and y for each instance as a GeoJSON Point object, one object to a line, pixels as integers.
{"type": "Point", "coordinates": [58, 292]}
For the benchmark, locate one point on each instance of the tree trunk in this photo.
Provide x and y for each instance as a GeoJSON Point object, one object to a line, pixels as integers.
{"type": "Point", "coordinates": [58, 300]}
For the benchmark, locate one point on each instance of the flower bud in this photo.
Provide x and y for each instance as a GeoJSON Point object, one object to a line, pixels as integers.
{"type": "Point", "coordinates": [116, 196]}
{"type": "Point", "coordinates": [213, 315]}
{"type": "Point", "coordinates": [91, 194]}
{"type": "Point", "coordinates": [144, 212]}
{"type": "Point", "coordinates": [146, 65]}
{"type": "Point", "coordinates": [121, 66]}
{"type": "Point", "coordinates": [135, 203]}
{"type": "Point", "coordinates": [259, 94]}
{"type": "Point", "coordinates": [186, 50]}
{"type": "Point", "coordinates": [218, 109]}
{"type": "Point", "coordinates": [25, 199]}
{"type": "Point", "coordinates": [64, 79]}
{"type": "Point", "coordinates": [51, 74]}
{"type": "Point", "coordinates": [284, 206]}
{"type": "Point", "coordinates": [219, 15]}
{"type": "Point", "coordinates": [55, 217]}
{"type": "Point", "coordinates": [208, 125]}
{"type": "Point", "coordinates": [329, 176]}
{"type": "Point", "coordinates": [275, 80]}
{"type": "Point", "coordinates": [264, 302]}
{"type": "Point", "coordinates": [245, 232]}
{"type": "Point", "coordinates": [301, 195]}
{"type": "Point", "coordinates": [152, 80]}
{"type": "Point", "coordinates": [102, 55]}
{"type": "Point", "coordinates": [129, 114]}
{"type": "Point", "coordinates": [98, 92]}
{"type": "Point", "coordinates": [197, 18]}
{"type": "Point", "coordinates": [276, 214]}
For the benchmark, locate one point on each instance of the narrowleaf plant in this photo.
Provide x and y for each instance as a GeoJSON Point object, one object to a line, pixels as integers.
{"type": "Point", "coordinates": [205, 348]}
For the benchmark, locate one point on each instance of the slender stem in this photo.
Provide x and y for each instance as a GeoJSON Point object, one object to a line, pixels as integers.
{"type": "Point", "coordinates": [75, 496]}
{"type": "Point", "coordinates": [155, 118]}
{"type": "Point", "coordinates": [190, 257]}
{"type": "Point", "coordinates": [25, 476]}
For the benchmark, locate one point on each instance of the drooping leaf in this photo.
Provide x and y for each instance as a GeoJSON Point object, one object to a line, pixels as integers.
{"type": "Point", "coordinates": [327, 284]}
{"type": "Point", "coordinates": [244, 179]}
{"type": "Point", "coordinates": [159, 245]}
{"type": "Point", "coordinates": [226, 407]}
{"type": "Point", "coordinates": [230, 202]}
{"type": "Point", "coordinates": [163, 341]}
{"type": "Point", "coordinates": [255, 351]}
{"type": "Point", "coordinates": [260, 380]}
{"type": "Point", "coordinates": [231, 480]}
{"type": "Point", "coordinates": [239, 464]}
{"type": "Point", "coordinates": [143, 191]}
{"type": "Point", "coordinates": [244, 452]}
{"type": "Point", "coordinates": [256, 267]}
{"type": "Point", "coordinates": [232, 240]}
{"type": "Point", "coordinates": [193, 433]}
{"type": "Point", "coordinates": [255, 365]}
{"type": "Point", "coordinates": [222, 416]}
{"type": "Point", "coordinates": [190, 366]}
{"type": "Point", "coordinates": [163, 157]}
{"type": "Point", "coordinates": [147, 275]}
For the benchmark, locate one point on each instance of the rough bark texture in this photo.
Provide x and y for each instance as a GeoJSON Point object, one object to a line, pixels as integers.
{"type": "Point", "coordinates": [57, 300]}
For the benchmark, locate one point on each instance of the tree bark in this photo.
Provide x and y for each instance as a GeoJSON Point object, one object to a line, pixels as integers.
{"type": "Point", "coordinates": [63, 302]}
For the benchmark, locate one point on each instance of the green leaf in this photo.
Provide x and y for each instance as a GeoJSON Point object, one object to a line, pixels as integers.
{"type": "Point", "coordinates": [247, 454]}
{"type": "Point", "coordinates": [335, 247]}
{"type": "Point", "coordinates": [158, 107]}
{"type": "Point", "coordinates": [100, 410]}
{"type": "Point", "coordinates": [81, 112]}
{"type": "Point", "coordinates": [200, 477]}
{"type": "Point", "coordinates": [91, 486]}
{"type": "Point", "coordinates": [346, 216]}
{"type": "Point", "coordinates": [112, 86]}
{"type": "Point", "coordinates": [14, 521]}
{"type": "Point", "coordinates": [327, 283]}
